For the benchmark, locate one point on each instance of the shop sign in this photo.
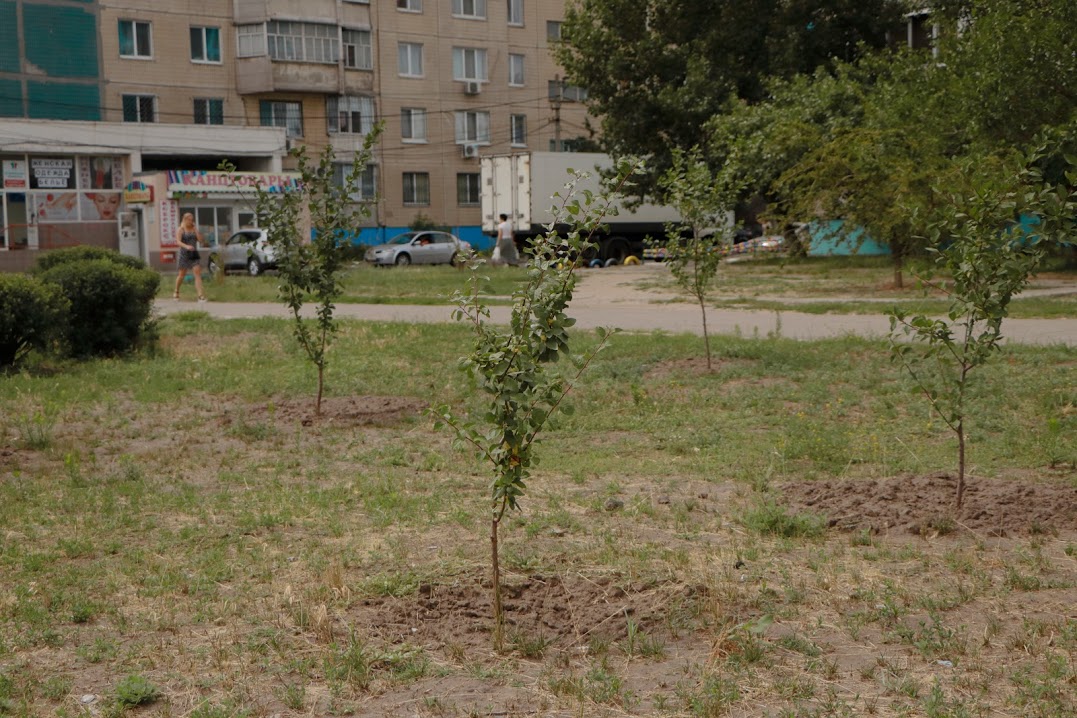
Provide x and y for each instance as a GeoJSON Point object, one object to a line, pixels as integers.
{"type": "Point", "coordinates": [14, 174]}
{"type": "Point", "coordinates": [138, 193]}
{"type": "Point", "coordinates": [52, 173]}
{"type": "Point", "coordinates": [206, 184]}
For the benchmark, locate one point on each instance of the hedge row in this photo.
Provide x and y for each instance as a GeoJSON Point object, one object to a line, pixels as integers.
{"type": "Point", "coordinates": [78, 302]}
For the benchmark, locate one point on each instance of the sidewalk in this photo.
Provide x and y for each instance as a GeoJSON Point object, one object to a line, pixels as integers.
{"type": "Point", "coordinates": [637, 316]}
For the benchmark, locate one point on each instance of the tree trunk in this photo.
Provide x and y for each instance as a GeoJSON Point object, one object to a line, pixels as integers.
{"type": "Point", "coordinates": [499, 615]}
{"type": "Point", "coordinates": [960, 465]}
{"type": "Point", "coordinates": [706, 336]}
{"type": "Point", "coordinates": [321, 385]}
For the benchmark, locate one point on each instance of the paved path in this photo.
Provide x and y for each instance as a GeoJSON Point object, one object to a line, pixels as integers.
{"type": "Point", "coordinates": [609, 299]}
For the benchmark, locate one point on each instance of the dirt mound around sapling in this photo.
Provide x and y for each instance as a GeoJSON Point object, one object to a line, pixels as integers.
{"type": "Point", "coordinates": [560, 612]}
{"type": "Point", "coordinates": [924, 504]}
{"type": "Point", "coordinates": [343, 410]}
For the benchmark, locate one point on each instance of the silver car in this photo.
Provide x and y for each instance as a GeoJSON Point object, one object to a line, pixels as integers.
{"type": "Point", "coordinates": [246, 250]}
{"type": "Point", "coordinates": [424, 247]}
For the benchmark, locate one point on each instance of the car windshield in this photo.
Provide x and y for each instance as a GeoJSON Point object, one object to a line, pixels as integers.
{"type": "Point", "coordinates": [402, 238]}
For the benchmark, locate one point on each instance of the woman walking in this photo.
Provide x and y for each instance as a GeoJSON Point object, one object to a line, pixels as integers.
{"type": "Point", "coordinates": [188, 239]}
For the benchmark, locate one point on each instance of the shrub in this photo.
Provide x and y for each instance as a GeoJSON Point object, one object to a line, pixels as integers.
{"type": "Point", "coordinates": [110, 305]}
{"type": "Point", "coordinates": [32, 315]}
{"type": "Point", "coordinates": [48, 260]}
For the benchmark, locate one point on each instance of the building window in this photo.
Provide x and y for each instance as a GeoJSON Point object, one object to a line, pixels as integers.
{"type": "Point", "coordinates": [467, 188]}
{"type": "Point", "coordinates": [472, 127]}
{"type": "Point", "coordinates": [350, 115]}
{"type": "Point", "coordinates": [413, 124]}
{"type": "Point", "coordinates": [516, 12]}
{"type": "Point", "coordinates": [560, 90]}
{"type": "Point", "coordinates": [518, 130]}
{"type": "Point", "coordinates": [208, 111]}
{"type": "Point", "coordinates": [417, 188]}
{"type": "Point", "coordinates": [365, 190]}
{"type": "Point", "coordinates": [409, 5]}
{"type": "Point", "coordinates": [302, 41]}
{"type": "Point", "coordinates": [469, 8]}
{"type": "Point", "coordinates": [251, 40]}
{"type": "Point", "coordinates": [288, 115]}
{"type": "Point", "coordinates": [410, 59]}
{"type": "Point", "coordinates": [135, 39]}
{"type": "Point", "coordinates": [139, 108]}
{"type": "Point", "coordinates": [516, 70]}
{"type": "Point", "coordinates": [553, 30]}
{"type": "Point", "coordinates": [358, 49]}
{"type": "Point", "coordinates": [469, 64]}
{"type": "Point", "coordinates": [205, 44]}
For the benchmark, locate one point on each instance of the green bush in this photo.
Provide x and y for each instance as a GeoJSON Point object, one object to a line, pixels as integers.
{"type": "Point", "coordinates": [32, 316]}
{"type": "Point", "coordinates": [48, 260]}
{"type": "Point", "coordinates": [110, 305]}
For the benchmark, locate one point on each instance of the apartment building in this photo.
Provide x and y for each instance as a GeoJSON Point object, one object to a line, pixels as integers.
{"type": "Point", "coordinates": [160, 93]}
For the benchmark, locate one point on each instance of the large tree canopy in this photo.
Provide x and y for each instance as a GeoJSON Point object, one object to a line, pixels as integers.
{"type": "Point", "coordinates": [656, 70]}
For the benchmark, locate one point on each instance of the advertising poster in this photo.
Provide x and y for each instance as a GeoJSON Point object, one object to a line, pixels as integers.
{"type": "Point", "coordinates": [100, 173]}
{"type": "Point", "coordinates": [56, 206]}
{"type": "Point", "coordinates": [100, 206]}
{"type": "Point", "coordinates": [169, 215]}
{"type": "Point", "coordinates": [14, 174]}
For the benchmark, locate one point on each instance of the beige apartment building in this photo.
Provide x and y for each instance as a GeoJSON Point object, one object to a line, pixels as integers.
{"type": "Point", "coordinates": [450, 80]}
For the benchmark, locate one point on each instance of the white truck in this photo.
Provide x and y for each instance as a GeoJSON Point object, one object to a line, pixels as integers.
{"type": "Point", "coordinates": [522, 186]}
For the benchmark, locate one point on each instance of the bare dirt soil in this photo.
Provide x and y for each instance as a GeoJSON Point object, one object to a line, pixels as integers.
{"type": "Point", "coordinates": [922, 505]}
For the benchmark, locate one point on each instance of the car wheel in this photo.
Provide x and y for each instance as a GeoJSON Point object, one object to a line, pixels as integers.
{"type": "Point", "coordinates": [455, 259]}
{"type": "Point", "coordinates": [254, 267]}
{"type": "Point", "coordinates": [214, 265]}
{"type": "Point", "coordinates": [403, 260]}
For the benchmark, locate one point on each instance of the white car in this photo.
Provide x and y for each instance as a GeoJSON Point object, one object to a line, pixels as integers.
{"type": "Point", "coordinates": [246, 250]}
{"type": "Point", "coordinates": [424, 247]}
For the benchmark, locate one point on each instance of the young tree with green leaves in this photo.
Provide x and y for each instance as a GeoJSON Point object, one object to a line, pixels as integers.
{"type": "Point", "coordinates": [705, 201]}
{"type": "Point", "coordinates": [309, 264]}
{"type": "Point", "coordinates": [986, 257]}
{"type": "Point", "coordinates": [517, 368]}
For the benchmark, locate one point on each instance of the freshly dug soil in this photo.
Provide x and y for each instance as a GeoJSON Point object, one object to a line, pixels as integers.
{"type": "Point", "coordinates": [924, 504]}
{"type": "Point", "coordinates": [559, 611]}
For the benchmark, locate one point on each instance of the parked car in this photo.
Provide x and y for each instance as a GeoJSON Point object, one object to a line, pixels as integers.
{"type": "Point", "coordinates": [425, 247]}
{"type": "Point", "coordinates": [246, 250]}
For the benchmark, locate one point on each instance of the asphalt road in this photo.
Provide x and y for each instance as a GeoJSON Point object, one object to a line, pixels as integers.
{"type": "Point", "coordinates": [609, 299]}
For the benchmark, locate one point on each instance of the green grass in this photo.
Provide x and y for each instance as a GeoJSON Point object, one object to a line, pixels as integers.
{"type": "Point", "coordinates": [364, 284]}
{"type": "Point", "coordinates": [176, 521]}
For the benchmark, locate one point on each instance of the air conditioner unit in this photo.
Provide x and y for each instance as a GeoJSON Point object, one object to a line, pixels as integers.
{"type": "Point", "coordinates": [469, 151]}
{"type": "Point", "coordinates": [472, 88]}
